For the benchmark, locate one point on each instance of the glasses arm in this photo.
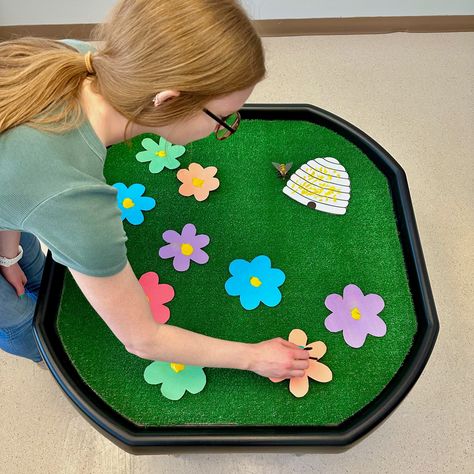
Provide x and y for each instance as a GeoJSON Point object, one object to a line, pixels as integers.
{"type": "Point", "coordinates": [219, 120]}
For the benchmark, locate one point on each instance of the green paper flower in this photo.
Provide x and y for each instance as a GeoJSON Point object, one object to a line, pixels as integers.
{"type": "Point", "coordinates": [176, 378]}
{"type": "Point", "coordinates": [160, 155]}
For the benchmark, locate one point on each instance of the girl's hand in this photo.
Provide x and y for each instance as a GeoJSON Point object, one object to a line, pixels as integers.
{"type": "Point", "coordinates": [15, 276]}
{"type": "Point", "coordinates": [278, 358]}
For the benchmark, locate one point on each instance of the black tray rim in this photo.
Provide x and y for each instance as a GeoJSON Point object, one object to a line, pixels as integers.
{"type": "Point", "coordinates": [137, 439]}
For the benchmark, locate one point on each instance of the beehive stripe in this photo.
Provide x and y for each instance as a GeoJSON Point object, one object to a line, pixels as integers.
{"type": "Point", "coordinates": [329, 164]}
{"type": "Point", "coordinates": [319, 206]}
{"type": "Point", "coordinates": [299, 178]}
{"type": "Point", "coordinates": [296, 188]}
{"type": "Point", "coordinates": [342, 182]}
{"type": "Point", "coordinates": [324, 170]}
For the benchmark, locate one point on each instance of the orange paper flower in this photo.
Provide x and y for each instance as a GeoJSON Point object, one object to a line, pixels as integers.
{"type": "Point", "coordinates": [197, 181]}
{"type": "Point", "coordinates": [299, 386]}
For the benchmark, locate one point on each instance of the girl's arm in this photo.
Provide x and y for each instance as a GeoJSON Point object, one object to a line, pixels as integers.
{"type": "Point", "coordinates": [122, 304]}
{"type": "Point", "coordinates": [9, 242]}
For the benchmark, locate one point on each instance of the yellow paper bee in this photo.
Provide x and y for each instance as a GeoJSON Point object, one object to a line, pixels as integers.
{"type": "Point", "coordinates": [282, 168]}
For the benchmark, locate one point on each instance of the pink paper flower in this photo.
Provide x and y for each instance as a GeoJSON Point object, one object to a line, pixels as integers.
{"type": "Point", "coordinates": [158, 294]}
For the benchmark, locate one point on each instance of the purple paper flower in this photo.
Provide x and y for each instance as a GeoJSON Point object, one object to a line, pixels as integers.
{"type": "Point", "coordinates": [184, 247]}
{"type": "Point", "coordinates": [355, 315]}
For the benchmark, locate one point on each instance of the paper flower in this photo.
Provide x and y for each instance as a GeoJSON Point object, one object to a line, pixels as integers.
{"type": "Point", "coordinates": [158, 294]}
{"type": "Point", "coordinates": [299, 386]}
{"type": "Point", "coordinates": [255, 282]}
{"type": "Point", "coordinates": [175, 378]}
{"type": "Point", "coordinates": [184, 247]}
{"type": "Point", "coordinates": [160, 155]}
{"type": "Point", "coordinates": [355, 315]}
{"type": "Point", "coordinates": [197, 181]}
{"type": "Point", "coordinates": [132, 203]}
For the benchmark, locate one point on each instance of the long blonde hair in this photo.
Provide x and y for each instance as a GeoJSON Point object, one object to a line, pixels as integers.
{"type": "Point", "coordinates": [203, 48]}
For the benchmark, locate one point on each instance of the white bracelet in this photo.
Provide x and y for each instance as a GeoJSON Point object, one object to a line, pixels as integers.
{"type": "Point", "coordinates": [8, 262]}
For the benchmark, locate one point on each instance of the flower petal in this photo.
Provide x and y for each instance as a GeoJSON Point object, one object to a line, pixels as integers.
{"type": "Point", "coordinates": [277, 277]}
{"type": "Point", "coordinates": [160, 312]}
{"type": "Point", "coordinates": [373, 303]}
{"type": "Point", "coordinates": [201, 194]}
{"type": "Point", "coordinates": [334, 322]}
{"type": "Point", "coordinates": [171, 236]}
{"type": "Point", "coordinates": [155, 373]}
{"type": "Point", "coordinates": [199, 256]}
{"type": "Point", "coordinates": [135, 191]}
{"type": "Point", "coordinates": [319, 372]}
{"type": "Point", "coordinates": [171, 163]}
{"type": "Point", "coordinates": [262, 263]}
{"type": "Point", "coordinates": [195, 379]}
{"type": "Point", "coordinates": [186, 190]}
{"type": "Point", "coordinates": [134, 216]}
{"type": "Point", "coordinates": [176, 151]}
{"type": "Point", "coordinates": [184, 176]}
{"type": "Point", "coordinates": [164, 293]}
{"type": "Point", "coordinates": [233, 286]}
{"type": "Point", "coordinates": [150, 145]}
{"type": "Point", "coordinates": [318, 349]}
{"type": "Point", "coordinates": [298, 337]}
{"type": "Point", "coordinates": [181, 262]}
{"type": "Point", "coordinates": [146, 203]}
{"type": "Point", "coordinates": [352, 295]}
{"type": "Point", "coordinates": [334, 302]}
{"type": "Point", "coordinates": [201, 241]}
{"type": "Point", "coordinates": [270, 296]}
{"type": "Point", "coordinates": [195, 170]}
{"type": "Point", "coordinates": [144, 156]}
{"type": "Point", "coordinates": [299, 386]}
{"type": "Point", "coordinates": [249, 299]}
{"type": "Point", "coordinates": [156, 166]}
{"type": "Point", "coordinates": [172, 389]}
{"type": "Point", "coordinates": [168, 251]}
{"type": "Point", "coordinates": [377, 326]}
{"type": "Point", "coordinates": [239, 266]}
{"type": "Point", "coordinates": [354, 337]}
{"type": "Point", "coordinates": [188, 233]}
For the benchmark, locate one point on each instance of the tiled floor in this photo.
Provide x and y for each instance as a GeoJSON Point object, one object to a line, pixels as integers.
{"type": "Point", "coordinates": [413, 93]}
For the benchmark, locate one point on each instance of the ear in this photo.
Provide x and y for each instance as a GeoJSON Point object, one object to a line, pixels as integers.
{"type": "Point", "coordinates": [163, 96]}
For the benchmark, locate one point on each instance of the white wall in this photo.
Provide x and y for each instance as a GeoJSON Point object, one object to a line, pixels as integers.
{"type": "Point", "coordinates": [36, 12]}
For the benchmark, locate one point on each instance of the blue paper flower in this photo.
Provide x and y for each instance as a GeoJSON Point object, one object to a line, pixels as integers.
{"type": "Point", "coordinates": [160, 155]}
{"type": "Point", "coordinates": [132, 203]}
{"type": "Point", "coordinates": [175, 378]}
{"type": "Point", "coordinates": [255, 282]}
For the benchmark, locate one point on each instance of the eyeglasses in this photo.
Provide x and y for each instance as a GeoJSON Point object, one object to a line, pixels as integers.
{"type": "Point", "coordinates": [226, 126]}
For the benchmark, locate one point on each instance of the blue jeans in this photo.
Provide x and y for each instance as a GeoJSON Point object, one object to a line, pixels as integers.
{"type": "Point", "coordinates": [16, 314]}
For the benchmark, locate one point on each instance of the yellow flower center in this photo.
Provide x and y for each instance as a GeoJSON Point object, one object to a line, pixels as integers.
{"type": "Point", "coordinates": [254, 281]}
{"type": "Point", "coordinates": [127, 203]}
{"type": "Point", "coordinates": [177, 367]}
{"type": "Point", "coordinates": [198, 182]}
{"type": "Point", "coordinates": [161, 153]}
{"type": "Point", "coordinates": [355, 313]}
{"type": "Point", "coordinates": [187, 249]}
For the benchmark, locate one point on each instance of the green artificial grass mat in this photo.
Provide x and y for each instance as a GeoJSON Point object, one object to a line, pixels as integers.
{"type": "Point", "coordinates": [249, 216]}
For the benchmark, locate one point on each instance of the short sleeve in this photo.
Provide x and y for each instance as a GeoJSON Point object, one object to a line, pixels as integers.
{"type": "Point", "coordinates": [83, 229]}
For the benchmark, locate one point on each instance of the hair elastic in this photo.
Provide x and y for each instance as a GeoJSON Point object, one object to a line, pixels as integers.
{"type": "Point", "coordinates": [88, 61]}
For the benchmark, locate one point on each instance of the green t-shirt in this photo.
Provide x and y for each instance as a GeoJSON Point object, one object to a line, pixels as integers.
{"type": "Point", "coordinates": [53, 186]}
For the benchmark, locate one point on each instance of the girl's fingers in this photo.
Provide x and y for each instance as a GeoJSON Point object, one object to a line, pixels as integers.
{"type": "Point", "coordinates": [300, 364]}
{"type": "Point", "coordinates": [297, 373]}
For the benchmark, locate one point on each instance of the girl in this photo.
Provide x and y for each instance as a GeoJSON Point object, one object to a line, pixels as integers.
{"type": "Point", "coordinates": [180, 70]}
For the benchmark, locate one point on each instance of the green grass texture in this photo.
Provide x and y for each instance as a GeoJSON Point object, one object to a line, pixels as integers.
{"type": "Point", "coordinates": [247, 216]}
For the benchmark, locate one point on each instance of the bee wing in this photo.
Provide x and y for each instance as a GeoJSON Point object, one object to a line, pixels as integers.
{"type": "Point", "coordinates": [288, 166]}
{"type": "Point", "coordinates": [276, 165]}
